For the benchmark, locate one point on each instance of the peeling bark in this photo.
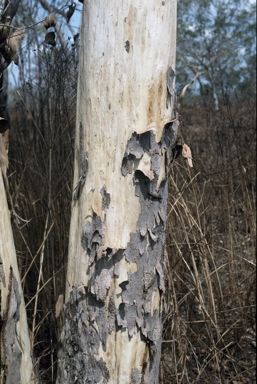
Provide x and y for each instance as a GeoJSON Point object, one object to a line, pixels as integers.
{"type": "Point", "coordinates": [112, 317]}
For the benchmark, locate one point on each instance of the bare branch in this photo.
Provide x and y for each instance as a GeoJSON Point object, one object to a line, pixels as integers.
{"type": "Point", "coordinates": [185, 88]}
{"type": "Point", "coordinates": [197, 74]}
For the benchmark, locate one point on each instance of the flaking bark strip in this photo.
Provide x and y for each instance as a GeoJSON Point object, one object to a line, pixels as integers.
{"type": "Point", "coordinates": [2, 275]}
{"type": "Point", "coordinates": [92, 237]}
{"type": "Point", "coordinates": [134, 150]}
{"type": "Point", "coordinates": [136, 376]}
{"type": "Point", "coordinates": [10, 346]}
{"type": "Point", "coordinates": [170, 87]}
{"type": "Point", "coordinates": [83, 166]}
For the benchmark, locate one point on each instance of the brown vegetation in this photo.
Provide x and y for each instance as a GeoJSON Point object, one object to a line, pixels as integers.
{"type": "Point", "coordinates": [209, 327]}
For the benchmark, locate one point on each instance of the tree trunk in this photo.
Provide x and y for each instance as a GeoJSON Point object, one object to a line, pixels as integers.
{"type": "Point", "coordinates": [115, 280]}
{"type": "Point", "coordinates": [16, 354]}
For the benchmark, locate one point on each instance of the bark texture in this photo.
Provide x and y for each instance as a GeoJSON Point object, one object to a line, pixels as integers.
{"type": "Point", "coordinates": [112, 319]}
{"type": "Point", "coordinates": [16, 360]}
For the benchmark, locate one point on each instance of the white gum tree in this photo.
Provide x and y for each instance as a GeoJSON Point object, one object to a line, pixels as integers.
{"type": "Point", "coordinates": [126, 127]}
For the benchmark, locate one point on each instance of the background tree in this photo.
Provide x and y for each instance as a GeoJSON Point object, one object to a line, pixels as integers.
{"type": "Point", "coordinates": [216, 48]}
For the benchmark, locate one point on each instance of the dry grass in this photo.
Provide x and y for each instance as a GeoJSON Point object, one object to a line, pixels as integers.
{"type": "Point", "coordinates": [41, 173]}
{"type": "Point", "coordinates": [209, 327]}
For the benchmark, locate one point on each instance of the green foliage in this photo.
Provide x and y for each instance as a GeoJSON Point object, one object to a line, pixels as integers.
{"type": "Point", "coordinates": [219, 38]}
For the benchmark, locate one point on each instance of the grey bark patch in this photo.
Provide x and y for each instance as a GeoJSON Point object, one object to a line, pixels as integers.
{"type": "Point", "coordinates": [170, 86]}
{"type": "Point", "coordinates": [83, 166]}
{"type": "Point", "coordinates": [136, 376]}
{"type": "Point", "coordinates": [81, 339]}
{"type": "Point", "coordinates": [121, 316]}
{"type": "Point", "coordinates": [92, 237]}
{"type": "Point", "coordinates": [2, 275]}
{"type": "Point", "coordinates": [80, 343]}
{"type": "Point", "coordinates": [127, 317]}
{"type": "Point", "coordinates": [106, 199]}
{"type": "Point", "coordinates": [135, 247]}
{"type": "Point", "coordinates": [159, 269]}
{"type": "Point", "coordinates": [146, 191]}
{"type": "Point", "coordinates": [127, 165]}
{"type": "Point", "coordinates": [111, 314]}
{"type": "Point", "coordinates": [101, 277]}
{"type": "Point", "coordinates": [101, 273]}
{"type": "Point", "coordinates": [170, 137]}
{"type": "Point", "coordinates": [127, 46]}
{"type": "Point", "coordinates": [134, 149]}
{"type": "Point", "coordinates": [174, 127]}
{"type": "Point", "coordinates": [137, 295]}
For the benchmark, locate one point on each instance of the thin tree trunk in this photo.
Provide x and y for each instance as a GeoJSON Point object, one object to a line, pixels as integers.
{"type": "Point", "coordinates": [16, 354]}
{"type": "Point", "coordinates": [113, 314]}
{"type": "Point", "coordinates": [4, 96]}
{"type": "Point", "coordinates": [7, 13]}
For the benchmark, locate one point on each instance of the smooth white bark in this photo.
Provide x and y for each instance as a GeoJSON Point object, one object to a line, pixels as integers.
{"type": "Point", "coordinates": [119, 93]}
